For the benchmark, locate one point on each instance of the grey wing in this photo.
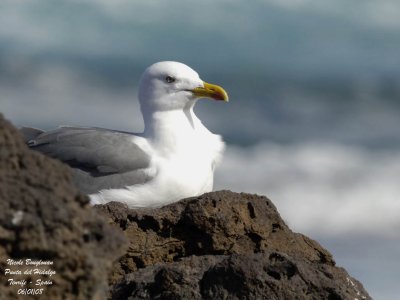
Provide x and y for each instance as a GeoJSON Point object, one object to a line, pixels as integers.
{"type": "Point", "coordinates": [100, 158]}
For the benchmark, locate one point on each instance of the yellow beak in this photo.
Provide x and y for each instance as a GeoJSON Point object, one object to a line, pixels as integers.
{"type": "Point", "coordinates": [211, 91]}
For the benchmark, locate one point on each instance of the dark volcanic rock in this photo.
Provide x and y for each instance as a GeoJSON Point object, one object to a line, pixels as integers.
{"type": "Point", "coordinates": [42, 216]}
{"type": "Point", "coordinates": [267, 275]}
{"type": "Point", "coordinates": [222, 245]}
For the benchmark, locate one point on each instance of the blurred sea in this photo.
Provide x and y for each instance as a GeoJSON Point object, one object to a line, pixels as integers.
{"type": "Point", "coordinates": [314, 113]}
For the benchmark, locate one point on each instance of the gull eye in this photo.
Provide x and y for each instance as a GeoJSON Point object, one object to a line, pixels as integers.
{"type": "Point", "coordinates": [169, 79]}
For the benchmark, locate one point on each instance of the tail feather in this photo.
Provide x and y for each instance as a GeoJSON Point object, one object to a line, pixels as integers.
{"type": "Point", "coordinates": [30, 133]}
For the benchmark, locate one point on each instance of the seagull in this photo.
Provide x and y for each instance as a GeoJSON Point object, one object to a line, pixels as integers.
{"type": "Point", "coordinates": [174, 158]}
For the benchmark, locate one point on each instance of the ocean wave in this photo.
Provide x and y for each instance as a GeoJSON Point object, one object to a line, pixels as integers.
{"type": "Point", "coordinates": [321, 188]}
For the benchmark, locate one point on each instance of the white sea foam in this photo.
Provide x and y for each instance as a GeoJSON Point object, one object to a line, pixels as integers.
{"type": "Point", "coordinates": [321, 188]}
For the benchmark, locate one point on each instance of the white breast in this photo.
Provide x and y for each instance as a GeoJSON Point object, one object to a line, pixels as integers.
{"type": "Point", "coordinates": [183, 162]}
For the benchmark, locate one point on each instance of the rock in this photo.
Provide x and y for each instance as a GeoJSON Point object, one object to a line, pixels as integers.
{"type": "Point", "coordinates": [43, 217]}
{"type": "Point", "coordinates": [221, 245]}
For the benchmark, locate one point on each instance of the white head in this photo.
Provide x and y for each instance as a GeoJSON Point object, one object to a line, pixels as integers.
{"type": "Point", "coordinates": [172, 85]}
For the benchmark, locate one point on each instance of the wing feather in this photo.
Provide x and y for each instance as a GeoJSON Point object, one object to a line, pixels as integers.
{"type": "Point", "coordinates": [100, 158]}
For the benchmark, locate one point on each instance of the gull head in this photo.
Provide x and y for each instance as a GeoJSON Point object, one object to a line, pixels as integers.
{"type": "Point", "coordinates": [172, 85]}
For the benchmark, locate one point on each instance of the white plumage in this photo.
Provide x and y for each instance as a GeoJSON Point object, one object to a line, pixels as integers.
{"type": "Point", "coordinates": [173, 158]}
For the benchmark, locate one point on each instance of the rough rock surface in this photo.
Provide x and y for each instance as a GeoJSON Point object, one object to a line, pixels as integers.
{"type": "Point", "coordinates": [221, 245]}
{"type": "Point", "coordinates": [42, 216]}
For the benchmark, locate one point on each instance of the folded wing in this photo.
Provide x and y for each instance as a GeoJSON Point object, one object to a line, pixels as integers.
{"type": "Point", "coordinates": [100, 158]}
